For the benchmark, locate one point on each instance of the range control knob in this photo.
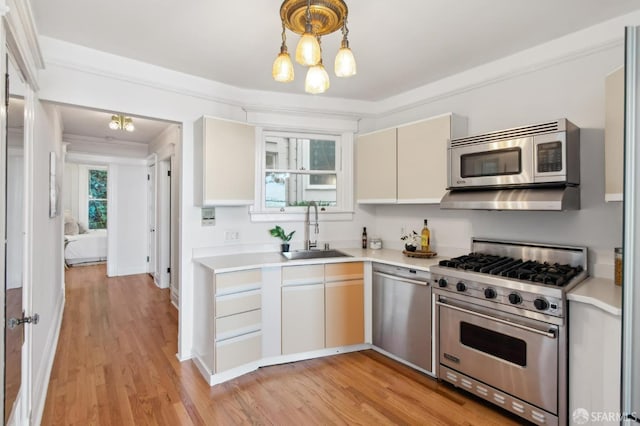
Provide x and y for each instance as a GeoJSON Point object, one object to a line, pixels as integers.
{"type": "Point", "coordinates": [515, 299]}
{"type": "Point", "coordinates": [541, 304]}
{"type": "Point", "coordinates": [442, 282]}
{"type": "Point", "coordinates": [461, 286]}
{"type": "Point", "coordinates": [490, 293]}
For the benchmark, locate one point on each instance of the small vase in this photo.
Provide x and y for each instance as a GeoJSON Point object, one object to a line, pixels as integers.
{"type": "Point", "coordinates": [408, 247]}
{"type": "Point", "coordinates": [284, 247]}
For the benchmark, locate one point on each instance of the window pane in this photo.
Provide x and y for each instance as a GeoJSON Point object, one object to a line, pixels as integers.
{"type": "Point", "coordinates": [322, 155]}
{"type": "Point", "coordinates": [98, 184]}
{"type": "Point", "coordinates": [97, 214]}
{"type": "Point", "coordinates": [287, 190]}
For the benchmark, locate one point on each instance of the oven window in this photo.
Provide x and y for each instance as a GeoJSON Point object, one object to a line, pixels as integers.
{"type": "Point", "coordinates": [491, 163]}
{"type": "Point", "coordinates": [497, 344]}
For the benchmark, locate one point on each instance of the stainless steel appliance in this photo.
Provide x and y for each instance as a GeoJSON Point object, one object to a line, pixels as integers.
{"type": "Point", "coordinates": [501, 314]}
{"type": "Point", "coordinates": [402, 314]}
{"type": "Point", "coordinates": [630, 407]}
{"type": "Point", "coordinates": [535, 167]}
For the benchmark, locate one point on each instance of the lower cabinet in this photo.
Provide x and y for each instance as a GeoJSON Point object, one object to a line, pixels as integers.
{"type": "Point", "coordinates": [322, 306]}
{"type": "Point", "coordinates": [302, 318]}
{"type": "Point", "coordinates": [594, 360]}
{"type": "Point", "coordinates": [237, 351]}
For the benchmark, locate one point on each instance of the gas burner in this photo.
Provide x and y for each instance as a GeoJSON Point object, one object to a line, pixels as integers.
{"type": "Point", "coordinates": [545, 273]}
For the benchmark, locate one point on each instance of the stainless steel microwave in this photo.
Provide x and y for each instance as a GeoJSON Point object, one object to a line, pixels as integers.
{"type": "Point", "coordinates": [546, 154]}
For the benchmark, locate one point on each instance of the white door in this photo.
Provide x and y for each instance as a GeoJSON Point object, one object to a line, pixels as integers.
{"type": "Point", "coordinates": [151, 212]}
{"type": "Point", "coordinates": [163, 225]}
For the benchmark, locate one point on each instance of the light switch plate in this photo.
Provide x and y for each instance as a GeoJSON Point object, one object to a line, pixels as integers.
{"type": "Point", "coordinates": [208, 216]}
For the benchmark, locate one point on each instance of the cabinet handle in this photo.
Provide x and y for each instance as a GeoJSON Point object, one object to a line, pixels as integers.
{"type": "Point", "coordinates": [397, 278]}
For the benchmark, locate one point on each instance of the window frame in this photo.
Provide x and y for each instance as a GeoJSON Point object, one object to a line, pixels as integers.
{"type": "Point", "coordinates": [343, 171]}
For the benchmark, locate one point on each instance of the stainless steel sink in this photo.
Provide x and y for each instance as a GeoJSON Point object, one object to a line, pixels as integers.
{"type": "Point", "coordinates": [313, 254]}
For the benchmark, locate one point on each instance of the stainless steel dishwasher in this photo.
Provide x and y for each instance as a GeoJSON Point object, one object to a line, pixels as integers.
{"type": "Point", "coordinates": [402, 314]}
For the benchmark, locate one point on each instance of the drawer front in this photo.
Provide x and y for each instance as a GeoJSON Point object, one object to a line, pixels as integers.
{"type": "Point", "coordinates": [238, 324]}
{"type": "Point", "coordinates": [344, 271]}
{"type": "Point", "coordinates": [230, 282]}
{"type": "Point", "coordinates": [304, 274]}
{"type": "Point", "coordinates": [238, 351]}
{"type": "Point", "coordinates": [238, 302]}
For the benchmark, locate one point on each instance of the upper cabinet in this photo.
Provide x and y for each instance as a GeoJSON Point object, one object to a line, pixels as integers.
{"type": "Point", "coordinates": [224, 163]}
{"type": "Point", "coordinates": [408, 164]}
{"type": "Point", "coordinates": [614, 135]}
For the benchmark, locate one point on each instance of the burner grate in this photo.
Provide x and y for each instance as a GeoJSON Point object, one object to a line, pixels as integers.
{"type": "Point", "coordinates": [545, 273]}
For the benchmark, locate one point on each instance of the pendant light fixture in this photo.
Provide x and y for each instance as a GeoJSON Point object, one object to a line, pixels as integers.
{"type": "Point", "coordinates": [120, 122]}
{"type": "Point", "coordinates": [313, 19]}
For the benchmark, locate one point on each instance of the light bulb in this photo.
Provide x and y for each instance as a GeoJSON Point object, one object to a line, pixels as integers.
{"type": "Point", "coordinates": [128, 125]}
{"type": "Point", "coordinates": [345, 65]}
{"type": "Point", "coordinates": [283, 68]}
{"type": "Point", "coordinates": [114, 124]}
{"type": "Point", "coordinates": [317, 80]}
{"type": "Point", "coordinates": [308, 49]}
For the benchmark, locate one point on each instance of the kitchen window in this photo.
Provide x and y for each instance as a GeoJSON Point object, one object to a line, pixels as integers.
{"type": "Point", "coordinates": [297, 168]}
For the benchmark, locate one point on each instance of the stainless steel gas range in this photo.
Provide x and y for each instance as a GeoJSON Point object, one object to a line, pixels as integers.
{"type": "Point", "coordinates": [501, 316]}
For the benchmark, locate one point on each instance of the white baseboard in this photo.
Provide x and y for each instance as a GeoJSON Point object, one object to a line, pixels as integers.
{"type": "Point", "coordinates": [41, 383]}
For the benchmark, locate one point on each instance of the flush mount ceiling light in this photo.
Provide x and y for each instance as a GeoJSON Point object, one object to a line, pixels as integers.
{"type": "Point", "coordinates": [313, 19]}
{"type": "Point", "coordinates": [120, 122]}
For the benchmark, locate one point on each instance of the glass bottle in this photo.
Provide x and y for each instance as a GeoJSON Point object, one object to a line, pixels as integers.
{"type": "Point", "coordinates": [425, 237]}
{"type": "Point", "coordinates": [364, 237]}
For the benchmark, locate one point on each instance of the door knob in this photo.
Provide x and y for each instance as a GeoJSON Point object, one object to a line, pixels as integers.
{"type": "Point", "coordinates": [14, 322]}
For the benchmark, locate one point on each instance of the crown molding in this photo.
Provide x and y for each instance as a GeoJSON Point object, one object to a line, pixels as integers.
{"type": "Point", "coordinates": [22, 40]}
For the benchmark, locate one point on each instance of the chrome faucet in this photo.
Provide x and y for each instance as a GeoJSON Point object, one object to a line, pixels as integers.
{"type": "Point", "coordinates": [308, 245]}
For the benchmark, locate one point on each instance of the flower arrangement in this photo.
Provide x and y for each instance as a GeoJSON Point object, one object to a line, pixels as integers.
{"type": "Point", "coordinates": [411, 241]}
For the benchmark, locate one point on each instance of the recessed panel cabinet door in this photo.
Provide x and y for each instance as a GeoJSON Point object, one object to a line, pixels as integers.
{"type": "Point", "coordinates": [302, 318]}
{"type": "Point", "coordinates": [376, 167]}
{"type": "Point", "coordinates": [422, 160]}
{"type": "Point", "coordinates": [224, 163]}
{"type": "Point", "coordinates": [344, 319]}
{"type": "Point", "coordinates": [614, 135]}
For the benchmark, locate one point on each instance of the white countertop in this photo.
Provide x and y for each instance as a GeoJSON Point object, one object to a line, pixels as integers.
{"type": "Point", "coordinates": [599, 292]}
{"type": "Point", "coordinates": [240, 261]}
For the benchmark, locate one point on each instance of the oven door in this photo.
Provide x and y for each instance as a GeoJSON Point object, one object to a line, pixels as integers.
{"type": "Point", "coordinates": [489, 164]}
{"type": "Point", "coordinates": [513, 354]}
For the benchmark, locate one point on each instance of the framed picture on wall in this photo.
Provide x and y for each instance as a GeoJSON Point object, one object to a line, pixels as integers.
{"type": "Point", "coordinates": [53, 189]}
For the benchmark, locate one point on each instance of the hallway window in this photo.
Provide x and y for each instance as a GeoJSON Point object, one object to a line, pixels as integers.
{"type": "Point", "coordinates": [97, 205]}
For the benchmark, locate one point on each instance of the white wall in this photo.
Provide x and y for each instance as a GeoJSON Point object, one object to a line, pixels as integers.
{"type": "Point", "coordinates": [46, 270]}
{"type": "Point", "coordinates": [572, 89]}
{"type": "Point", "coordinates": [127, 219]}
{"type": "Point", "coordinates": [70, 190]}
{"type": "Point", "coordinates": [568, 84]}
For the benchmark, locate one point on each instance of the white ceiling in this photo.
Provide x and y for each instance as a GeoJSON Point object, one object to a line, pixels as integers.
{"type": "Point", "coordinates": [399, 45]}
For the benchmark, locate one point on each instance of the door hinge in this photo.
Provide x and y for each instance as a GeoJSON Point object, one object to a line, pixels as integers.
{"type": "Point", "coordinates": [147, 258]}
{"type": "Point", "coordinates": [169, 173]}
{"type": "Point", "coordinates": [148, 177]}
{"type": "Point", "coordinates": [168, 270]}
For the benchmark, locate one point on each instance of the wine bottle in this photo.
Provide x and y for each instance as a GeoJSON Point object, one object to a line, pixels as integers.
{"type": "Point", "coordinates": [425, 237]}
{"type": "Point", "coordinates": [364, 237]}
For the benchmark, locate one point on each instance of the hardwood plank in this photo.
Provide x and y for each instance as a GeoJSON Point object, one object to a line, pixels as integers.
{"type": "Point", "coordinates": [115, 365]}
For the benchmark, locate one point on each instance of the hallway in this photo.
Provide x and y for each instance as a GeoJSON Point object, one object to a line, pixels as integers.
{"type": "Point", "coordinates": [116, 365]}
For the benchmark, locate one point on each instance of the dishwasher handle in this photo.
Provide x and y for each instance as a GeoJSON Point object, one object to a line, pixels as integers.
{"type": "Point", "coordinates": [399, 278]}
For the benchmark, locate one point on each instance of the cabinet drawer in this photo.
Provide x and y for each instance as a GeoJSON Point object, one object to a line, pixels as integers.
{"type": "Point", "coordinates": [240, 350]}
{"type": "Point", "coordinates": [238, 324]}
{"type": "Point", "coordinates": [304, 274]}
{"type": "Point", "coordinates": [230, 282]}
{"type": "Point", "coordinates": [238, 302]}
{"type": "Point", "coordinates": [344, 271]}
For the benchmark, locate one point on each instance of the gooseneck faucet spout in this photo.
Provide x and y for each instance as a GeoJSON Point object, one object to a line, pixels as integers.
{"type": "Point", "coordinates": [308, 245]}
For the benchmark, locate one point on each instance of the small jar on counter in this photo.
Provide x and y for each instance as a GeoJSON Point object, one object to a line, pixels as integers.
{"type": "Point", "coordinates": [375, 243]}
{"type": "Point", "coordinates": [617, 261]}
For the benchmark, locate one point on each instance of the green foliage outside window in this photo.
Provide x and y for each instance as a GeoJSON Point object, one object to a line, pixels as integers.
{"type": "Point", "coordinates": [97, 199]}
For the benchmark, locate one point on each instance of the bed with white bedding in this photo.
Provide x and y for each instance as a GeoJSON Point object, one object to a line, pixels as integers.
{"type": "Point", "coordinates": [84, 248]}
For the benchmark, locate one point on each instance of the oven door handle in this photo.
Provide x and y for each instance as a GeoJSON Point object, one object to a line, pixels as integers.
{"type": "Point", "coordinates": [548, 333]}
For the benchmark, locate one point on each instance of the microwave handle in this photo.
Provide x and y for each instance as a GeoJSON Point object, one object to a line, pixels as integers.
{"type": "Point", "coordinates": [549, 333]}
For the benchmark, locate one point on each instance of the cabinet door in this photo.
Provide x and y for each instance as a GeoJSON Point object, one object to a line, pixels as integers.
{"type": "Point", "coordinates": [376, 167]}
{"type": "Point", "coordinates": [240, 350]}
{"type": "Point", "coordinates": [422, 160]}
{"type": "Point", "coordinates": [614, 135]}
{"type": "Point", "coordinates": [344, 315]}
{"type": "Point", "coordinates": [302, 318]}
{"type": "Point", "coordinates": [224, 157]}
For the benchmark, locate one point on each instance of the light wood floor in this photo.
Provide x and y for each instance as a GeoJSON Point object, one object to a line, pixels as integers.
{"type": "Point", "coordinates": [116, 365]}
